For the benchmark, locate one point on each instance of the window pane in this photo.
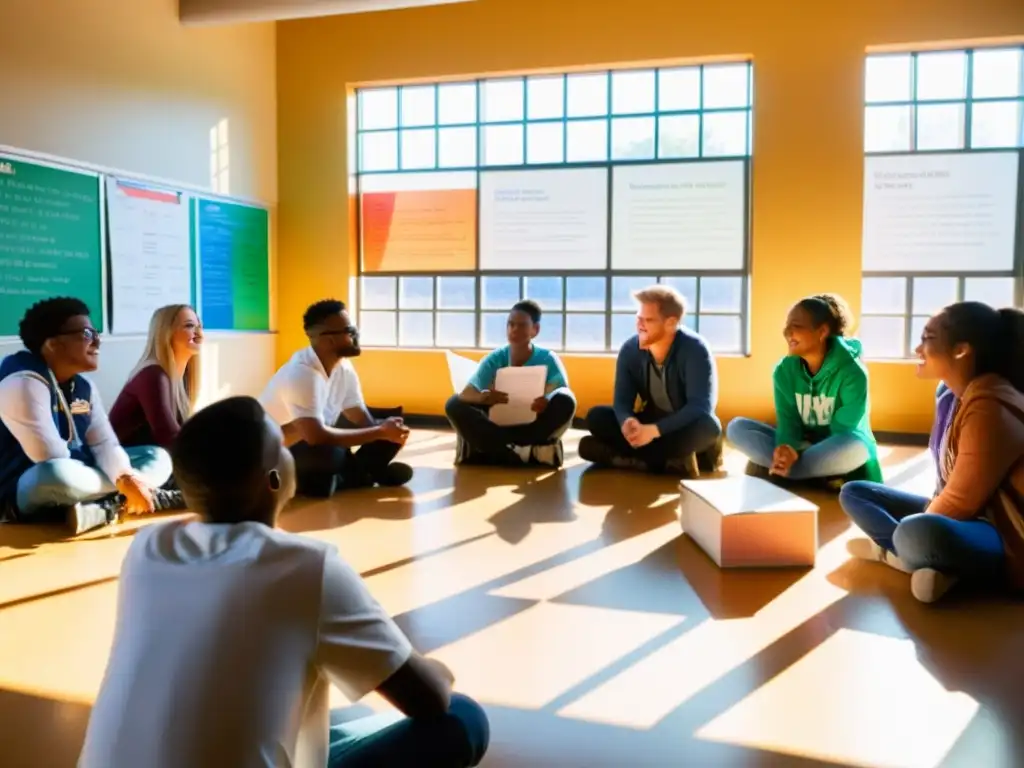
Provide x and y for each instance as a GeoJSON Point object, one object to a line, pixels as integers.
{"type": "Point", "coordinates": [378, 293]}
{"type": "Point", "coordinates": [633, 138]}
{"type": "Point", "coordinates": [623, 328]}
{"type": "Point", "coordinates": [942, 75]}
{"type": "Point", "coordinates": [623, 288]}
{"type": "Point", "coordinates": [546, 291]}
{"type": "Point", "coordinates": [493, 330]}
{"type": "Point", "coordinates": [995, 124]}
{"type": "Point", "coordinates": [378, 151]}
{"type": "Point", "coordinates": [725, 133]}
{"type": "Point", "coordinates": [886, 129]}
{"type": "Point", "coordinates": [587, 141]}
{"type": "Point", "coordinates": [456, 292]}
{"type": "Point", "coordinates": [997, 73]}
{"type": "Point", "coordinates": [544, 142]}
{"type": "Point", "coordinates": [887, 78]}
{"type": "Point", "coordinates": [679, 136]}
{"type": "Point", "coordinates": [995, 291]}
{"type": "Point", "coordinates": [378, 108]}
{"type": "Point", "coordinates": [502, 144]}
{"type": "Point", "coordinates": [418, 105]}
{"type": "Point", "coordinates": [501, 100]}
{"type": "Point", "coordinates": [883, 296]}
{"type": "Point", "coordinates": [418, 148]}
{"type": "Point", "coordinates": [456, 329]}
{"type": "Point", "coordinates": [550, 335]}
{"type": "Point", "coordinates": [632, 92]}
{"type": "Point", "coordinates": [500, 292]}
{"type": "Point", "coordinates": [932, 294]}
{"type": "Point", "coordinates": [456, 147]}
{"type": "Point", "coordinates": [416, 293]}
{"type": "Point", "coordinates": [679, 89]}
{"type": "Point", "coordinates": [587, 95]}
{"type": "Point", "coordinates": [940, 126]}
{"type": "Point", "coordinates": [725, 85]}
{"type": "Point", "coordinates": [721, 294]}
{"type": "Point", "coordinates": [456, 103]}
{"type": "Point", "coordinates": [416, 329]}
{"type": "Point", "coordinates": [690, 321]}
{"type": "Point", "coordinates": [584, 332]}
{"type": "Point", "coordinates": [723, 333]}
{"type": "Point", "coordinates": [545, 97]}
{"type": "Point", "coordinates": [883, 337]}
{"type": "Point", "coordinates": [583, 293]}
{"type": "Point", "coordinates": [687, 286]}
{"type": "Point", "coordinates": [378, 329]}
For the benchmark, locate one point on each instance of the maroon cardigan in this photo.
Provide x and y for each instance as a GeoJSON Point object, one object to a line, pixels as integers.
{"type": "Point", "coordinates": [143, 413]}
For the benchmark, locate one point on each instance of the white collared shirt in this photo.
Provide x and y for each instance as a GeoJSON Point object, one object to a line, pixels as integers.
{"type": "Point", "coordinates": [301, 389]}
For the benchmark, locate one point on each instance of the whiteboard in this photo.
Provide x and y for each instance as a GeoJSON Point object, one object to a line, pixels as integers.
{"type": "Point", "coordinates": [544, 219]}
{"type": "Point", "coordinates": [940, 212]}
{"type": "Point", "coordinates": [150, 251]}
{"type": "Point", "coordinates": [679, 216]}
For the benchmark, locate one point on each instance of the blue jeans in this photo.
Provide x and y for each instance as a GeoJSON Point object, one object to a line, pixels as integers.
{"type": "Point", "coordinates": [457, 739]}
{"type": "Point", "coordinates": [65, 482]}
{"type": "Point", "coordinates": [897, 521]}
{"type": "Point", "coordinates": [835, 456]}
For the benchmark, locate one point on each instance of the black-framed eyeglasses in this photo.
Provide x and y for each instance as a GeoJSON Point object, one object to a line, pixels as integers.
{"type": "Point", "coordinates": [90, 335]}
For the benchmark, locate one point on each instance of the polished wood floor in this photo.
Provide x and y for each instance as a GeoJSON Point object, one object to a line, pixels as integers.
{"type": "Point", "coordinates": [595, 634]}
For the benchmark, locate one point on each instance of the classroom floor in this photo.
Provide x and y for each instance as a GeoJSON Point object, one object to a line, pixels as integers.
{"type": "Point", "coordinates": [594, 633]}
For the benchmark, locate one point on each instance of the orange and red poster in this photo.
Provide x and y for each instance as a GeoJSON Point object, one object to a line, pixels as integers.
{"type": "Point", "coordinates": [422, 222]}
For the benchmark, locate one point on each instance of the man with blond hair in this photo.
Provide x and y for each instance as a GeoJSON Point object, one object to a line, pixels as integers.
{"type": "Point", "coordinates": [666, 389]}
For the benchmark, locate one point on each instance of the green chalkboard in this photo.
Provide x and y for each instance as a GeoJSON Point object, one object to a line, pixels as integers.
{"type": "Point", "coordinates": [50, 241]}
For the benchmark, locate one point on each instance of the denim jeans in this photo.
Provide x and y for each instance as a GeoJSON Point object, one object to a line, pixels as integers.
{"type": "Point", "coordinates": [835, 456]}
{"type": "Point", "coordinates": [897, 521]}
{"type": "Point", "coordinates": [457, 739]}
{"type": "Point", "coordinates": [61, 483]}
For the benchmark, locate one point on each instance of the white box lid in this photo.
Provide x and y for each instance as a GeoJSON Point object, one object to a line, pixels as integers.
{"type": "Point", "coordinates": [745, 495]}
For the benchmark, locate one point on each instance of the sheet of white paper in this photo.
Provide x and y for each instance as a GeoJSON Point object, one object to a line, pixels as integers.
{"type": "Point", "coordinates": [460, 369]}
{"type": "Point", "coordinates": [523, 385]}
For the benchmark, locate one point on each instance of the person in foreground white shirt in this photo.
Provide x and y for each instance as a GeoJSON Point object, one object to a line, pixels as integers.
{"type": "Point", "coordinates": [229, 633]}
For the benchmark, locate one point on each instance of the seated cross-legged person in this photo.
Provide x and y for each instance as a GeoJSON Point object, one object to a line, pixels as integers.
{"type": "Point", "coordinates": [537, 441]}
{"type": "Point", "coordinates": [59, 457]}
{"type": "Point", "coordinates": [972, 528]}
{"type": "Point", "coordinates": [666, 388]}
{"type": "Point", "coordinates": [822, 409]}
{"type": "Point", "coordinates": [316, 399]}
{"type": "Point", "coordinates": [230, 633]}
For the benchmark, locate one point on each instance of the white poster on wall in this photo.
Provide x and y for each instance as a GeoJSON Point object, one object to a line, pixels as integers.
{"type": "Point", "coordinates": [679, 216]}
{"type": "Point", "coordinates": [544, 219]}
{"type": "Point", "coordinates": [940, 212]}
{"type": "Point", "coordinates": [150, 252]}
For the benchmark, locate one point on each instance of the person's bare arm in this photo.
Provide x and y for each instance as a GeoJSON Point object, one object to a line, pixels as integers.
{"type": "Point", "coordinates": [485, 397]}
{"type": "Point", "coordinates": [359, 416]}
{"type": "Point", "coordinates": [421, 687]}
{"type": "Point", "coordinates": [315, 432]}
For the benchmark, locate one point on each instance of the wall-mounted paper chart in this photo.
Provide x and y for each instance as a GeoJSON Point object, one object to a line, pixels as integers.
{"type": "Point", "coordinates": [550, 219]}
{"type": "Point", "coordinates": [150, 252]}
{"type": "Point", "coordinates": [940, 212]}
{"type": "Point", "coordinates": [679, 216]}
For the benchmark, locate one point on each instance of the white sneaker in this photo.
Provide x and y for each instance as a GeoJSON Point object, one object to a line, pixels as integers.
{"type": "Point", "coordinates": [864, 548]}
{"type": "Point", "coordinates": [550, 455]}
{"type": "Point", "coordinates": [928, 585]}
{"type": "Point", "coordinates": [523, 452]}
{"type": "Point", "coordinates": [88, 516]}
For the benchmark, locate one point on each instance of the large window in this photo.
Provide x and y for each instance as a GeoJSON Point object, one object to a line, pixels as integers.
{"type": "Point", "coordinates": [572, 190]}
{"type": "Point", "coordinates": [943, 132]}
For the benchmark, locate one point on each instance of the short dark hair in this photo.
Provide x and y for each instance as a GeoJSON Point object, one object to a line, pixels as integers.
{"type": "Point", "coordinates": [828, 309]}
{"type": "Point", "coordinates": [45, 319]}
{"type": "Point", "coordinates": [218, 460]}
{"type": "Point", "coordinates": [530, 307]}
{"type": "Point", "coordinates": [995, 335]}
{"type": "Point", "coordinates": [319, 312]}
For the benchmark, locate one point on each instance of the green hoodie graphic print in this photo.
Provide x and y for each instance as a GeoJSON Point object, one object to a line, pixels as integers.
{"type": "Point", "coordinates": [834, 401]}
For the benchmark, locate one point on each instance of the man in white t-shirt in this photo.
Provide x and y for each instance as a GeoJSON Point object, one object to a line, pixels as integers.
{"type": "Point", "coordinates": [316, 399]}
{"type": "Point", "coordinates": [229, 633]}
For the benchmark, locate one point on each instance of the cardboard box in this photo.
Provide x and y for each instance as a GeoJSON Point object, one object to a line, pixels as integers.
{"type": "Point", "coordinates": [747, 522]}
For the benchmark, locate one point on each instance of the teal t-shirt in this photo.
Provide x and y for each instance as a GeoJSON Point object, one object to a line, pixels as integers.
{"type": "Point", "coordinates": [501, 358]}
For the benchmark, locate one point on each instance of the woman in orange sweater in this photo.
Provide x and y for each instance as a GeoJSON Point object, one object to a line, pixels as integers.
{"type": "Point", "coordinates": [972, 529]}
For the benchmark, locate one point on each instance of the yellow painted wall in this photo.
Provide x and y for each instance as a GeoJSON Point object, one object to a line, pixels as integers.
{"type": "Point", "coordinates": [807, 167]}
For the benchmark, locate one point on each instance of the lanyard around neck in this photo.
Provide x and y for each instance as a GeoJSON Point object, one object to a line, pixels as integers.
{"type": "Point", "coordinates": [62, 406]}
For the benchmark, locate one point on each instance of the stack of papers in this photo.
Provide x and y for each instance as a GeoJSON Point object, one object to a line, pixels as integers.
{"type": "Point", "coordinates": [523, 385]}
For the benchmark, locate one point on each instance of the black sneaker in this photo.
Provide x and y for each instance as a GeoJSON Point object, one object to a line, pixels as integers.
{"type": "Point", "coordinates": [685, 467]}
{"type": "Point", "coordinates": [711, 459]}
{"type": "Point", "coordinates": [167, 500]}
{"type": "Point", "coordinates": [756, 470]}
{"type": "Point", "coordinates": [396, 473]}
{"type": "Point", "coordinates": [593, 450]}
{"type": "Point", "coordinates": [88, 516]}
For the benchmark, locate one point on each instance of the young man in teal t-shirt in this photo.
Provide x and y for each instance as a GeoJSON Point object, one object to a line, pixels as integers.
{"type": "Point", "coordinates": [483, 441]}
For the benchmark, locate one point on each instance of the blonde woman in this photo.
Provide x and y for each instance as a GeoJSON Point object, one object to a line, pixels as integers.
{"type": "Point", "coordinates": [161, 391]}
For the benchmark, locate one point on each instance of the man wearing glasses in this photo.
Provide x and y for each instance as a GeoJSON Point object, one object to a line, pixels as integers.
{"type": "Point", "coordinates": [59, 456]}
{"type": "Point", "coordinates": [316, 399]}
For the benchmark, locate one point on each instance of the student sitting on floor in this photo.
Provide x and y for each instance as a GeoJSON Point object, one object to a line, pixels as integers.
{"type": "Point", "coordinates": [822, 409]}
{"type": "Point", "coordinates": [972, 528]}
{"type": "Point", "coordinates": [317, 400]}
{"type": "Point", "coordinates": [59, 458]}
{"type": "Point", "coordinates": [230, 633]}
{"type": "Point", "coordinates": [666, 389]}
{"type": "Point", "coordinates": [539, 440]}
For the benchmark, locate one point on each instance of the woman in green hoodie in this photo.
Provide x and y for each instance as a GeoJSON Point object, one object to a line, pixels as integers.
{"type": "Point", "coordinates": [822, 409]}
